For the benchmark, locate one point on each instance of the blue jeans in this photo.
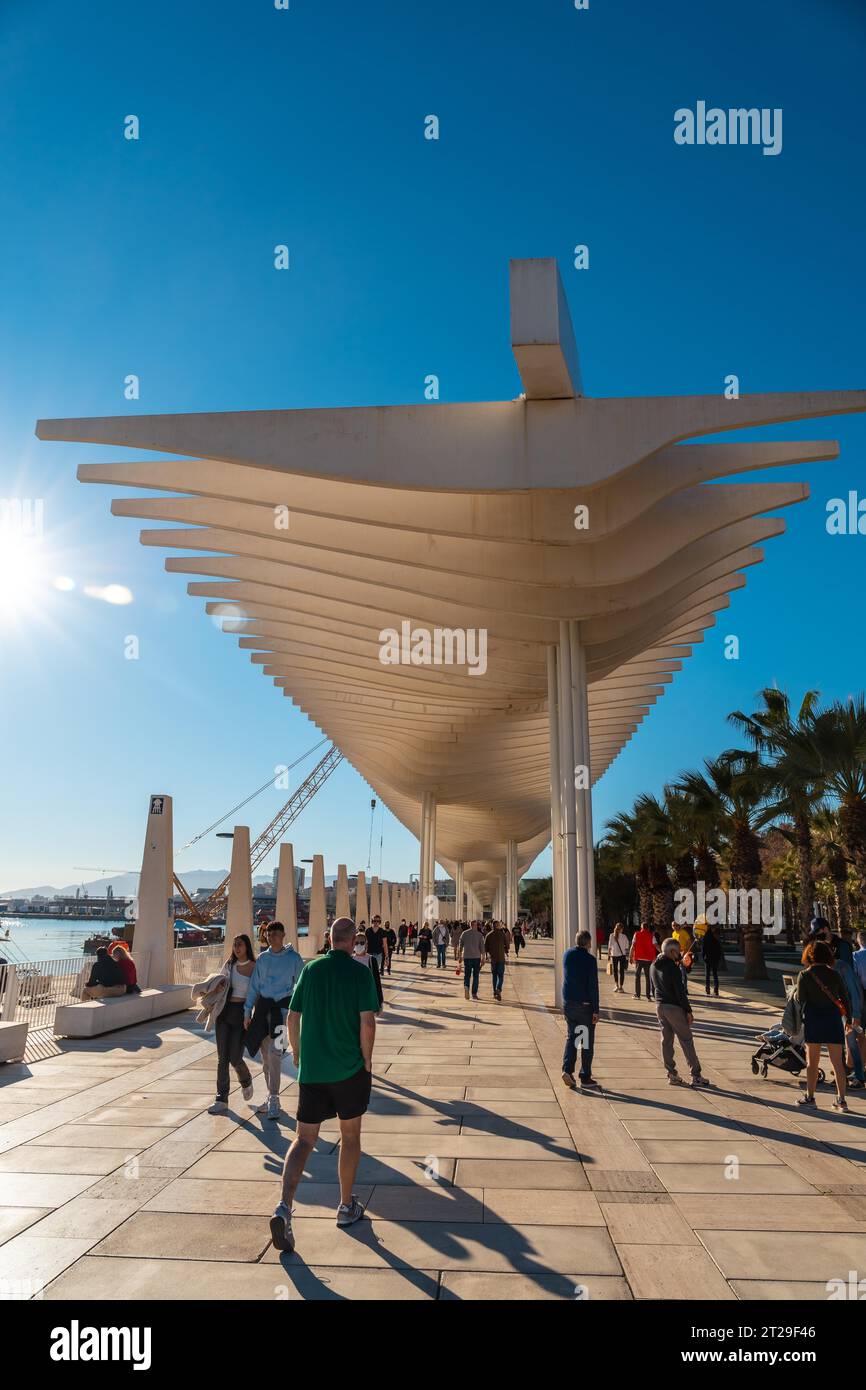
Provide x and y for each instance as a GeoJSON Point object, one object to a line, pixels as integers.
{"type": "Point", "coordinates": [440, 955]}
{"type": "Point", "coordinates": [497, 971]}
{"type": "Point", "coordinates": [578, 1016]}
{"type": "Point", "coordinates": [471, 972]}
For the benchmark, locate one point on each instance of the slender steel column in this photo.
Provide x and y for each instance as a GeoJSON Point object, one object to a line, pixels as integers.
{"type": "Point", "coordinates": [566, 768]}
{"type": "Point", "coordinates": [458, 891]}
{"type": "Point", "coordinates": [558, 923]}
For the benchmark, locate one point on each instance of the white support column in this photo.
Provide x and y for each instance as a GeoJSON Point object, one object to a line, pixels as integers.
{"type": "Point", "coordinates": [459, 889]}
{"type": "Point", "coordinates": [287, 899]}
{"type": "Point", "coordinates": [361, 909]}
{"type": "Point", "coordinates": [312, 943]}
{"type": "Point", "coordinates": [559, 924]}
{"type": "Point", "coordinates": [239, 912]}
{"type": "Point", "coordinates": [566, 779]}
{"type": "Point", "coordinates": [590, 842]}
{"type": "Point", "coordinates": [581, 793]}
{"type": "Point", "coordinates": [154, 925]}
{"type": "Point", "coordinates": [511, 884]}
{"type": "Point", "coordinates": [375, 899]}
{"type": "Point", "coordinates": [342, 907]}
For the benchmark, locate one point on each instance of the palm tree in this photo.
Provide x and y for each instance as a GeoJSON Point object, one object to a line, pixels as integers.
{"type": "Point", "coordinates": [653, 831]}
{"type": "Point", "coordinates": [831, 856]}
{"type": "Point", "coordinates": [779, 739]}
{"type": "Point", "coordinates": [623, 843]}
{"type": "Point", "coordinates": [731, 792]}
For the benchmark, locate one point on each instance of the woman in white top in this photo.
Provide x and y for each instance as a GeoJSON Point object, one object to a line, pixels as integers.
{"type": "Point", "coordinates": [363, 957]}
{"type": "Point", "coordinates": [617, 953]}
{"type": "Point", "coordinates": [230, 1031]}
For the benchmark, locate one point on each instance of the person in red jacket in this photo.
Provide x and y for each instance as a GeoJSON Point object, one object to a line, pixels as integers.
{"type": "Point", "coordinates": [643, 953]}
{"type": "Point", "coordinates": [120, 955]}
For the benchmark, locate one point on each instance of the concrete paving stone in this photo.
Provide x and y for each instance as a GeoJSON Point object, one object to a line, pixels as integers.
{"type": "Point", "coordinates": [276, 1139]}
{"type": "Point", "coordinates": [35, 1158]}
{"type": "Point", "coordinates": [527, 1207]}
{"type": "Point", "coordinates": [427, 1122]}
{"type": "Point", "coordinates": [455, 1205]}
{"type": "Point", "coordinates": [638, 1199]}
{"type": "Point", "coordinates": [473, 1246]}
{"type": "Point", "coordinates": [248, 1197]}
{"type": "Point", "coordinates": [490, 1093]}
{"type": "Point", "coordinates": [513, 1128]}
{"type": "Point", "coordinates": [446, 1144]}
{"type": "Point", "coordinates": [603, 1179]}
{"type": "Point", "coordinates": [745, 1212]}
{"type": "Point", "coordinates": [85, 1218]}
{"type": "Point", "coordinates": [16, 1219]}
{"type": "Point", "coordinates": [780, 1291]}
{"type": "Point", "coordinates": [25, 1189]}
{"type": "Point", "coordinates": [188, 1236]}
{"type": "Point", "coordinates": [170, 1153]}
{"type": "Point", "coordinates": [684, 1271]}
{"type": "Point", "coordinates": [705, 1128]}
{"type": "Point", "coordinates": [546, 1175]}
{"type": "Point", "coordinates": [41, 1095]}
{"type": "Point", "coordinates": [162, 1117]}
{"type": "Point", "coordinates": [710, 1177]}
{"type": "Point", "coordinates": [506, 1288]}
{"type": "Point", "coordinates": [132, 1184]}
{"type": "Point", "coordinates": [226, 1163]}
{"type": "Point", "coordinates": [706, 1151]}
{"type": "Point", "coordinates": [86, 1136]}
{"type": "Point", "coordinates": [97, 1278]}
{"type": "Point", "coordinates": [155, 1100]}
{"type": "Point", "coordinates": [15, 1111]}
{"type": "Point", "coordinates": [655, 1224]}
{"type": "Point", "coordinates": [28, 1263]}
{"type": "Point", "coordinates": [767, 1254]}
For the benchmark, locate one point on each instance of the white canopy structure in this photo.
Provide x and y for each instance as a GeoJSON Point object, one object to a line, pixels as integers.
{"type": "Point", "coordinates": [587, 543]}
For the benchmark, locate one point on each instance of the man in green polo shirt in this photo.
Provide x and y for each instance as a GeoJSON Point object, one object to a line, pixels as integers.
{"type": "Point", "coordinates": [332, 1028]}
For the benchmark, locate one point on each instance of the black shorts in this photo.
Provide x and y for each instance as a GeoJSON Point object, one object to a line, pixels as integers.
{"type": "Point", "coordinates": [322, 1100]}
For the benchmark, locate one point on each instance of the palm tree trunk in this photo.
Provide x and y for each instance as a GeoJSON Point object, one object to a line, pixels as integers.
{"type": "Point", "coordinates": [753, 950]}
{"type": "Point", "coordinates": [803, 842]}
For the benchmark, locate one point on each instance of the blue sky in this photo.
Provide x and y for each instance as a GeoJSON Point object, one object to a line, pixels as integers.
{"type": "Point", "coordinates": [261, 126]}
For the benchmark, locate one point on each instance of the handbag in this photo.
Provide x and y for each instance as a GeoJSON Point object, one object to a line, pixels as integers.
{"type": "Point", "coordinates": [832, 997]}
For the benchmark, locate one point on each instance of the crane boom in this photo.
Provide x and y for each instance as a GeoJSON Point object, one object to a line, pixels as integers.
{"type": "Point", "coordinates": [270, 836]}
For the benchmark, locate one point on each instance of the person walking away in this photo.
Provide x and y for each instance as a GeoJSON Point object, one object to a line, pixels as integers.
{"type": "Point", "coordinates": [848, 976]}
{"type": "Point", "coordinates": [391, 942]}
{"type": "Point", "coordinates": [223, 1001]}
{"type": "Point", "coordinates": [120, 955]}
{"type": "Point", "coordinates": [827, 1016]}
{"type": "Point", "coordinates": [440, 941]}
{"type": "Point", "coordinates": [618, 947]}
{"type": "Point", "coordinates": [860, 971]}
{"type": "Point", "coordinates": [519, 941]}
{"type": "Point", "coordinates": [377, 943]}
{"type": "Point", "coordinates": [363, 957]}
{"type": "Point", "coordinates": [712, 949]}
{"type": "Point", "coordinates": [402, 933]}
{"type": "Point", "coordinates": [497, 946]}
{"type": "Point", "coordinates": [332, 1031]}
{"type": "Point", "coordinates": [273, 978]}
{"type": "Point", "coordinates": [457, 929]}
{"type": "Point", "coordinates": [471, 953]}
{"type": "Point", "coordinates": [643, 953]}
{"type": "Point", "coordinates": [674, 1013]}
{"type": "Point", "coordinates": [580, 1007]}
{"type": "Point", "coordinates": [106, 979]}
{"type": "Point", "coordinates": [425, 940]}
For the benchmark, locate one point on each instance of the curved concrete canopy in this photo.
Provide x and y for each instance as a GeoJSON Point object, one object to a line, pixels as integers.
{"type": "Point", "coordinates": [464, 517]}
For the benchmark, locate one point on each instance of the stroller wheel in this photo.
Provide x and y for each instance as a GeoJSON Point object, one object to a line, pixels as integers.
{"type": "Point", "coordinates": [755, 1067]}
{"type": "Point", "coordinates": [764, 1071]}
{"type": "Point", "coordinates": [821, 1077]}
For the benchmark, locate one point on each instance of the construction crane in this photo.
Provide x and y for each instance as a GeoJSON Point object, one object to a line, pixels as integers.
{"type": "Point", "coordinates": [215, 904]}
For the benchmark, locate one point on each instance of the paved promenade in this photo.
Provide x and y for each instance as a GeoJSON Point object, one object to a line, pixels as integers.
{"type": "Point", "coordinates": [483, 1177]}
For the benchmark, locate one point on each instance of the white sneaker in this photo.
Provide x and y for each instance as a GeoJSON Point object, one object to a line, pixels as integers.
{"type": "Point", "coordinates": [274, 1107]}
{"type": "Point", "coordinates": [247, 1092]}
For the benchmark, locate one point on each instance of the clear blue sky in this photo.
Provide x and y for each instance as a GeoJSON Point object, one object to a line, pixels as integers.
{"type": "Point", "coordinates": [261, 126]}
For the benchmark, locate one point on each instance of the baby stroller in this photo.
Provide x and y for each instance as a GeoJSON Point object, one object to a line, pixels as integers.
{"type": "Point", "coordinates": [782, 1045]}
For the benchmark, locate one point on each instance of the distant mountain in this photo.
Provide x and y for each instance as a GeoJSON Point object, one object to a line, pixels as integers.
{"type": "Point", "coordinates": [124, 885]}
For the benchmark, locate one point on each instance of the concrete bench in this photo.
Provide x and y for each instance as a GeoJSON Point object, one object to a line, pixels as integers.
{"type": "Point", "coordinates": [13, 1041]}
{"type": "Point", "coordinates": [95, 1016]}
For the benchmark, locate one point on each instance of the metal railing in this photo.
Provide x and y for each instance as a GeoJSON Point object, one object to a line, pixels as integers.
{"type": "Point", "coordinates": [194, 963]}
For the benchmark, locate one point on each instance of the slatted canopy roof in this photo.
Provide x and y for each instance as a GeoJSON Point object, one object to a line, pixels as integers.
{"type": "Point", "coordinates": [314, 531]}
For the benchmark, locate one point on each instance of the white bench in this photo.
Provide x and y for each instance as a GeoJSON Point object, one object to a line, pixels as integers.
{"type": "Point", "coordinates": [95, 1016]}
{"type": "Point", "coordinates": [13, 1041]}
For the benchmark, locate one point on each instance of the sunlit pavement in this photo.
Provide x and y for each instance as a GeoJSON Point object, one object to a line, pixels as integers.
{"type": "Point", "coordinates": [482, 1175]}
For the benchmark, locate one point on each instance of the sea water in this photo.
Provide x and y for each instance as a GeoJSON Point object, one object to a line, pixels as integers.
{"type": "Point", "coordinates": [48, 938]}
